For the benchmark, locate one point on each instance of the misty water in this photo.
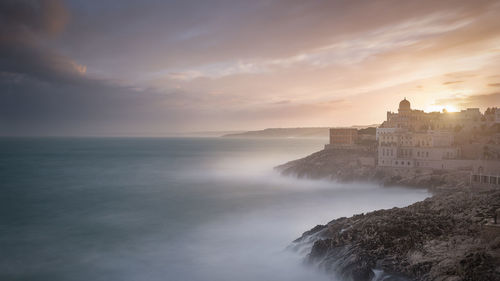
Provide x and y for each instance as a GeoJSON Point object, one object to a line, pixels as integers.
{"type": "Point", "coordinates": [190, 209]}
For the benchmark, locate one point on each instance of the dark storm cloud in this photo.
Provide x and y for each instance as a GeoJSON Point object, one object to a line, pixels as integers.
{"type": "Point", "coordinates": [30, 106]}
{"type": "Point", "coordinates": [46, 16]}
{"type": "Point", "coordinates": [28, 58]}
{"type": "Point", "coordinates": [24, 25]}
{"type": "Point", "coordinates": [44, 92]}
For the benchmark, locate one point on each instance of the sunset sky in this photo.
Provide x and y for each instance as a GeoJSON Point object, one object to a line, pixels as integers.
{"type": "Point", "coordinates": [160, 67]}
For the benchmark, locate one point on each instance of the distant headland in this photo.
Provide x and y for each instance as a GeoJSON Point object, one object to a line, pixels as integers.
{"type": "Point", "coordinates": [300, 132]}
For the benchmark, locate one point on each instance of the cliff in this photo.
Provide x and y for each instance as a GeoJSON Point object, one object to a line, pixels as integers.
{"type": "Point", "coordinates": [442, 238]}
{"type": "Point", "coordinates": [347, 165]}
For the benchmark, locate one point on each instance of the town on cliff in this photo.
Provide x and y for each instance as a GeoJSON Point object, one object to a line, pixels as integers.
{"type": "Point", "coordinates": [464, 141]}
{"type": "Point", "coordinates": [452, 236]}
{"type": "Point", "coordinates": [413, 144]}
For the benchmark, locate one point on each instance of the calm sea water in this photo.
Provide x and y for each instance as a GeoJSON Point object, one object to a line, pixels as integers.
{"type": "Point", "coordinates": [190, 209]}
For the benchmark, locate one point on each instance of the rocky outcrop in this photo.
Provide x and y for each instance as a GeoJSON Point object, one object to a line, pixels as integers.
{"type": "Point", "coordinates": [440, 238]}
{"type": "Point", "coordinates": [345, 165]}
{"type": "Point", "coordinates": [443, 238]}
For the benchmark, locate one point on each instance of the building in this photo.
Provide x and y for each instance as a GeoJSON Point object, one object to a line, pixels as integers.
{"type": "Point", "coordinates": [403, 148]}
{"type": "Point", "coordinates": [486, 174]}
{"type": "Point", "coordinates": [407, 118]}
{"type": "Point", "coordinates": [448, 140]}
{"type": "Point", "coordinates": [383, 131]}
{"type": "Point", "coordinates": [419, 121]}
{"type": "Point", "coordinates": [492, 115]}
{"type": "Point", "coordinates": [343, 136]}
{"type": "Point", "coordinates": [468, 119]}
{"type": "Point", "coordinates": [407, 140]}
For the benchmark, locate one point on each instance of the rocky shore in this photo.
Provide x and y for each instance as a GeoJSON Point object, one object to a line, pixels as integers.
{"type": "Point", "coordinates": [448, 237]}
{"type": "Point", "coordinates": [347, 165]}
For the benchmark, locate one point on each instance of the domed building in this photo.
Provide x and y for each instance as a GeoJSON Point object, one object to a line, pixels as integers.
{"type": "Point", "coordinates": [404, 105]}
{"type": "Point", "coordinates": [406, 141]}
{"type": "Point", "coordinates": [412, 138]}
{"type": "Point", "coordinates": [407, 118]}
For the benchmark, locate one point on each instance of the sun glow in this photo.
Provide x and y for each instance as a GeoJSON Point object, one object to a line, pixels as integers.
{"type": "Point", "coordinates": [438, 107]}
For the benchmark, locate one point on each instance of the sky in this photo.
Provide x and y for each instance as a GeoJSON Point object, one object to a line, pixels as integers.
{"type": "Point", "coordinates": [153, 68]}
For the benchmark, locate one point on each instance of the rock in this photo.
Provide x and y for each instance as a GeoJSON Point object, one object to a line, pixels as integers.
{"type": "Point", "coordinates": [343, 165]}
{"type": "Point", "coordinates": [439, 238]}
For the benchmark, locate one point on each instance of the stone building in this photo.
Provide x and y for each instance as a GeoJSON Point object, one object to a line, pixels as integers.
{"type": "Point", "coordinates": [447, 140]}
{"type": "Point", "coordinates": [486, 173]}
{"type": "Point", "coordinates": [408, 118]}
{"type": "Point", "coordinates": [468, 119]}
{"type": "Point", "coordinates": [403, 148]}
{"type": "Point", "coordinates": [406, 140]}
{"type": "Point", "coordinates": [343, 136]}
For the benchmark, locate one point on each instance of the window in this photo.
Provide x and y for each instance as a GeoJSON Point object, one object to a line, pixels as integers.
{"type": "Point", "coordinates": [493, 180]}
{"type": "Point", "coordinates": [408, 163]}
{"type": "Point", "coordinates": [484, 179]}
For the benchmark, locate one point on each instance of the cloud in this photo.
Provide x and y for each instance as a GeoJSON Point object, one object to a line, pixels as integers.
{"type": "Point", "coordinates": [483, 101]}
{"type": "Point", "coordinates": [25, 26]}
{"type": "Point", "coordinates": [189, 34]}
{"type": "Point", "coordinates": [452, 82]}
{"type": "Point", "coordinates": [45, 92]}
{"type": "Point", "coordinates": [47, 16]}
{"type": "Point", "coordinates": [123, 67]}
{"type": "Point", "coordinates": [346, 50]}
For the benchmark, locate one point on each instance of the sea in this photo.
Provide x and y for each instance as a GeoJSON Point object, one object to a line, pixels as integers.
{"type": "Point", "coordinates": [175, 209]}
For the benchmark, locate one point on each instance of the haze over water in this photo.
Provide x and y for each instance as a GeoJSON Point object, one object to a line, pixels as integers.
{"type": "Point", "coordinates": [165, 208]}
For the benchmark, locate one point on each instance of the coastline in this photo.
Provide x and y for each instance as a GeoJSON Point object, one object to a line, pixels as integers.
{"type": "Point", "coordinates": [447, 237]}
{"type": "Point", "coordinates": [345, 166]}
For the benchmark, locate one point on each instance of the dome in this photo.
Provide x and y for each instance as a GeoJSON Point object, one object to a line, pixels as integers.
{"type": "Point", "coordinates": [404, 105]}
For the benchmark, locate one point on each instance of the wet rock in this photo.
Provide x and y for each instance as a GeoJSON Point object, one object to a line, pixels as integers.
{"type": "Point", "coordinates": [439, 238]}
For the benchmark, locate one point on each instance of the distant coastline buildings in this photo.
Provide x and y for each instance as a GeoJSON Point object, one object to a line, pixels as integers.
{"type": "Point", "coordinates": [413, 139]}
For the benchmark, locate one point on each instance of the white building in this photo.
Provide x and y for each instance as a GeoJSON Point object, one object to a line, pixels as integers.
{"type": "Point", "coordinates": [403, 146]}
{"type": "Point", "coordinates": [381, 131]}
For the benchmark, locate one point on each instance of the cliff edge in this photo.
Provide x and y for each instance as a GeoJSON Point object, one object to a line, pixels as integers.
{"type": "Point", "coordinates": [350, 165]}
{"type": "Point", "coordinates": [448, 237]}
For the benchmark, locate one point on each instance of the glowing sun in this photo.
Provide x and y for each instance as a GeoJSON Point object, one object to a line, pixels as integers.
{"type": "Point", "coordinates": [438, 107]}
